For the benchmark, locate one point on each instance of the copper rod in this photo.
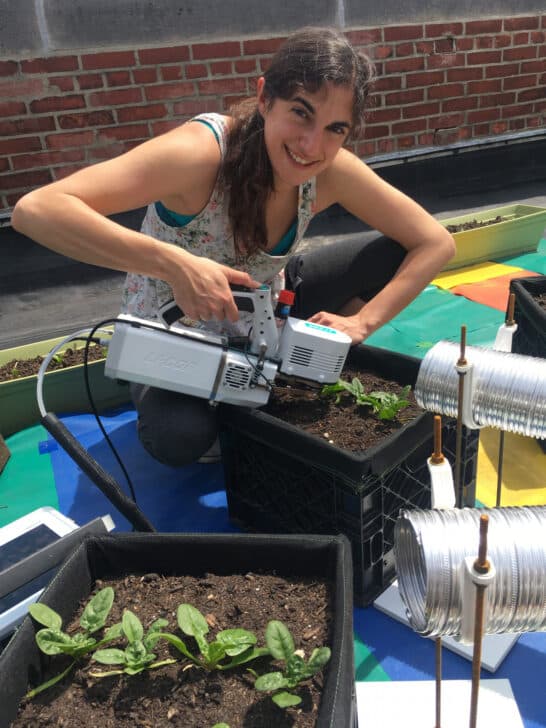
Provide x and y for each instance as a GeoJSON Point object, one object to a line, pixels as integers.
{"type": "Point", "coordinates": [500, 468]}
{"type": "Point", "coordinates": [510, 321]}
{"type": "Point", "coordinates": [437, 456]}
{"type": "Point", "coordinates": [482, 566]}
{"type": "Point", "coordinates": [438, 642]}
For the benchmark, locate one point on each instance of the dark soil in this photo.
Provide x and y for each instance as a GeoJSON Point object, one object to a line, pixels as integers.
{"type": "Point", "coordinates": [540, 299]}
{"type": "Point", "coordinates": [345, 425]}
{"type": "Point", "coordinates": [473, 224]}
{"type": "Point", "coordinates": [180, 694]}
{"type": "Point", "coordinates": [18, 368]}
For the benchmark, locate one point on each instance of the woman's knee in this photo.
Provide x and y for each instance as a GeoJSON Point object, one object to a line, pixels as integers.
{"type": "Point", "coordinates": [174, 428]}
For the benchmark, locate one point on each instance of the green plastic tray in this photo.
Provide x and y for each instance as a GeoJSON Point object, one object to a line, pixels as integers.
{"type": "Point", "coordinates": [520, 233]}
{"type": "Point", "coordinates": [63, 390]}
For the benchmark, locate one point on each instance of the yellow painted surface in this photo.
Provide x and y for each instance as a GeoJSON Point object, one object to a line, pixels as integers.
{"type": "Point", "coordinates": [473, 274]}
{"type": "Point", "coordinates": [523, 471]}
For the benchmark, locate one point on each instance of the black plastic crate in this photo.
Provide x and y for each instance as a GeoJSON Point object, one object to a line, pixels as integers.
{"type": "Point", "coordinates": [285, 484]}
{"type": "Point", "coordinates": [530, 336]}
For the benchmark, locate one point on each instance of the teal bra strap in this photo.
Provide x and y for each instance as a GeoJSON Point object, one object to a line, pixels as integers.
{"type": "Point", "coordinates": [207, 123]}
{"type": "Point", "coordinates": [175, 219]}
{"type": "Point", "coordinates": [286, 242]}
{"type": "Point", "coordinates": [171, 218]}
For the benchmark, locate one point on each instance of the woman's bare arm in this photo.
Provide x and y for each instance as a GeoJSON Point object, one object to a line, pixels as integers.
{"type": "Point", "coordinates": [69, 217]}
{"type": "Point", "coordinates": [363, 193]}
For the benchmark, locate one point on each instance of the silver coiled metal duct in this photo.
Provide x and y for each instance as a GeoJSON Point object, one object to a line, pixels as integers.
{"type": "Point", "coordinates": [508, 390]}
{"type": "Point", "coordinates": [429, 549]}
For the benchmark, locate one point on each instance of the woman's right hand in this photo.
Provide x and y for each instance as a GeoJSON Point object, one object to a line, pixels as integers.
{"type": "Point", "coordinates": [201, 288]}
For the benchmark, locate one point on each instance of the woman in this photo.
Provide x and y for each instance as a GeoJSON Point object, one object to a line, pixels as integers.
{"type": "Point", "coordinates": [229, 200]}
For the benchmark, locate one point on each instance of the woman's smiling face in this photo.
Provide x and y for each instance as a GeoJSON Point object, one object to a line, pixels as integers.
{"type": "Point", "coordinates": [304, 134]}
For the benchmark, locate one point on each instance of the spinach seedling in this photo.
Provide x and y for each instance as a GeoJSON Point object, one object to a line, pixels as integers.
{"type": "Point", "coordinates": [385, 405]}
{"type": "Point", "coordinates": [53, 641]}
{"type": "Point", "coordinates": [281, 646]}
{"type": "Point", "coordinates": [138, 655]}
{"type": "Point", "coordinates": [236, 644]}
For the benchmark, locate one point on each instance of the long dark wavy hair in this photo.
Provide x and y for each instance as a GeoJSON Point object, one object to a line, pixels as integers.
{"type": "Point", "coordinates": [307, 59]}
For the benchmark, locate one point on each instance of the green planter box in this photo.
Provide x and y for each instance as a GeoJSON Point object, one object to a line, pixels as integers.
{"type": "Point", "coordinates": [63, 390]}
{"type": "Point", "coordinates": [520, 233]}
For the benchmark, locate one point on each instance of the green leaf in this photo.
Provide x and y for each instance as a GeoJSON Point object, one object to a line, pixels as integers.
{"type": "Point", "coordinates": [97, 610]}
{"type": "Point", "coordinates": [112, 633]}
{"type": "Point", "coordinates": [279, 640]}
{"type": "Point", "coordinates": [191, 621]}
{"type": "Point", "coordinates": [54, 642]}
{"type": "Point", "coordinates": [151, 640]}
{"type": "Point", "coordinates": [135, 652]}
{"type": "Point", "coordinates": [319, 658]}
{"type": "Point", "coordinates": [357, 387]}
{"type": "Point", "coordinates": [109, 656]}
{"type": "Point", "coordinates": [295, 670]}
{"type": "Point", "coordinates": [152, 637]}
{"type": "Point", "coordinates": [48, 683]}
{"type": "Point", "coordinates": [220, 725]}
{"type": "Point", "coordinates": [158, 625]}
{"type": "Point", "coordinates": [215, 653]}
{"type": "Point", "coordinates": [85, 646]}
{"type": "Point", "coordinates": [131, 626]}
{"type": "Point", "coordinates": [46, 616]}
{"type": "Point", "coordinates": [247, 656]}
{"type": "Point", "coordinates": [271, 681]}
{"type": "Point", "coordinates": [286, 700]}
{"type": "Point", "coordinates": [136, 660]}
{"type": "Point", "coordinates": [236, 641]}
{"type": "Point", "coordinates": [179, 644]}
{"type": "Point", "coordinates": [134, 669]}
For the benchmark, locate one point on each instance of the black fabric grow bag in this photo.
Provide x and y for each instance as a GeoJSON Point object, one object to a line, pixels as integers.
{"type": "Point", "coordinates": [280, 479]}
{"type": "Point", "coordinates": [196, 554]}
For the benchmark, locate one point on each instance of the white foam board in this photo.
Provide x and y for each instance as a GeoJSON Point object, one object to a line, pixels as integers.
{"type": "Point", "coordinates": [412, 704]}
{"type": "Point", "coordinates": [495, 647]}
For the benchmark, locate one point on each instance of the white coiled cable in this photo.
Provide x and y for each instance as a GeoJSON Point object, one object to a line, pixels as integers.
{"type": "Point", "coordinates": [430, 547]}
{"type": "Point", "coordinates": [508, 391]}
{"type": "Point", "coordinates": [49, 357]}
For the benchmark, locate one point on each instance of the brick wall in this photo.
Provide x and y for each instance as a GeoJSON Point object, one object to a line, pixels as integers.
{"type": "Point", "coordinates": [438, 84]}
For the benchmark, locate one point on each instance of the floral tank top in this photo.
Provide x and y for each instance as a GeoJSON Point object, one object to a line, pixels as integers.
{"type": "Point", "coordinates": [209, 235]}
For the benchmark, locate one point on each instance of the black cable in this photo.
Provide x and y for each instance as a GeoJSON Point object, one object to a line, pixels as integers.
{"type": "Point", "coordinates": [88, 340]}
{"type": "Point", "coordinates": [94, 408]}
{"type": "Point", "coordinates": [258, 371]}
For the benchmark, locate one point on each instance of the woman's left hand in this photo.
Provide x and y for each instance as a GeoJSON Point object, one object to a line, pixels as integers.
{"type": "Point", "coordinates": [350, 325]}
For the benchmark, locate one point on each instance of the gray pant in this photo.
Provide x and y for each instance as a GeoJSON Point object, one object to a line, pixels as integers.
{"type": "Point", "coordinates": [178, 429]}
